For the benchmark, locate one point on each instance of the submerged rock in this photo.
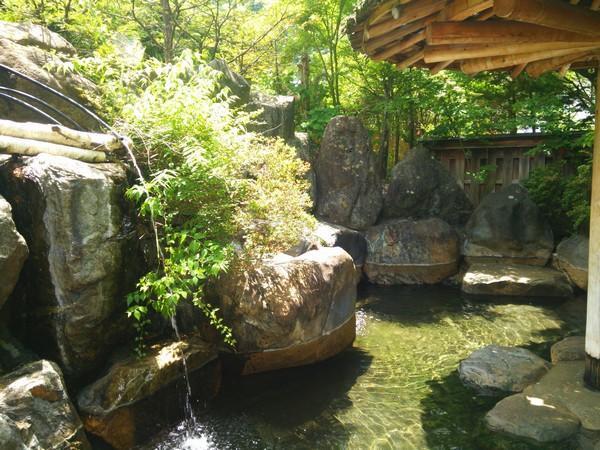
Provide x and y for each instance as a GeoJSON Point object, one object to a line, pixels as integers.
{"type": "Point", "coordinates": [82, 257]}
{"type": "Point", "coordinates": [411, 252]}
{"type": "Point", "coordinates": [13, 252]}
{"type": "Point", "coordinates": [507, 226]}
{"type": "Point", "coordinates": [288, 311]}
{"type": "Point", "coordinates": [531, 418]}
{"type": "Point", "coordinates": [421, 188]}
{"type": "Point", "coordinates": [137, 394]}
{"type": "Point", "coordinates": [515, 280]}
{"type": "Point", "coordinates": [569, 349]}
{"type": "Point", "coordinates": [572, 258]}
{"type": "Point", "coordinates": [36, 412]}
{"type": "Point", "coordinates": [349, 188]}
{"type": "Point", "coordinates": [494, 370]}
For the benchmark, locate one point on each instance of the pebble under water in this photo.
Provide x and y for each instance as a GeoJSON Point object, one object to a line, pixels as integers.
{"type": "Point", "coordinates": [397, 388]}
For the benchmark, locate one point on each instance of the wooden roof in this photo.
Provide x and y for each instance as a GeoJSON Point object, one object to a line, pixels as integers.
{"type": "Point", "coordinates": [476, 35]}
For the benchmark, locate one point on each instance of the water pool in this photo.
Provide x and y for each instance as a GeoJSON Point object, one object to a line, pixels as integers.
{"type": "Point", "coordinates": [397, 388]}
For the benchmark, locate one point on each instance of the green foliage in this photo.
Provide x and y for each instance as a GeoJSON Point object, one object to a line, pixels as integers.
{"type": "Point", "coordinates": [317, 120]}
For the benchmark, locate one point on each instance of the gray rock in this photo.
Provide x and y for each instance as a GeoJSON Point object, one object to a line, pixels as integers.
{"type": "Point", "coordinates": [569, 349]}
{"type": "Point", "coordinates": [12, 353]}
{"type": "Point", "coordinates": [82, 256]}
{"type": "Point", "coordinates": [349, 188]}
{"type": "Point", "coordinates": [301, 142]}
{"type": "Point", "coordinates": [421, 188]}
{"type": "Point", "coordinates": [515, 280]}
{"type": "Point", "coordinates": [136, 393]}
{"type": "Point", "coordinates": [531, 418]}
{"type": "Point", "coordinates": [508, 226]}
{"type": "Point", "coordinates": [36, 411]}
{"type": "Point", "coordinates": [42, 66]}
{"type": "Point", "coordinates": [237, 84]}
{"type": "Point", "coordinates": [354, 242]}
{"type": "Point", "coordinates": [292, 305]}
{"type": "Point", "coordinates": [13, 252]}
{"type": "Point", "coordinates": [495, 370]}
{"type": "Point", "coordinates": [276, 117]}
{"type": "Point", "coordinates": [411, 252]}
{"type": "Point", "coordinates": [36, 36]}
{"type": "Point", "coordinates": [572, 258]}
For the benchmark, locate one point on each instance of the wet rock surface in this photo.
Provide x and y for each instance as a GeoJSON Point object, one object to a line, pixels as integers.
{"type": "Point", "coordinates": [348, 184]}
{"type": "Point", "coordinates": [36, 412]}
{"type": "Point", "coordinates": [75, 221]}
{"type": "Point", "coordinates": [494, 370]}
{"type": "Point", "coordinates": [137, 393]}
{"type": "Point", "coordinates": [411, 252]}
{"type": "Point", "coordinates": [572, 258]}
{"type": "Point", "coordinates": [421, 188]}
{"type": "Point", "coordinates": [508, 227]}
{"type": "Point", "coordinates": [515, 280]}
{"type": "Point", "coordinates": [13, 251]}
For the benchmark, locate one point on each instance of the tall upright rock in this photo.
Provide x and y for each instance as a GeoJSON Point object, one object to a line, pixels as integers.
{"type": "Point", "coordinates": [82, 260]}
{"type": "Point", "coordinates": [13, 252]}
{"type": "Point", "coordinates": [349, 188]}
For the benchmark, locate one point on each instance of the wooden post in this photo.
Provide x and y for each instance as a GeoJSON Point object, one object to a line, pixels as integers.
{"type": "Point", "coordinates": [592, 337]}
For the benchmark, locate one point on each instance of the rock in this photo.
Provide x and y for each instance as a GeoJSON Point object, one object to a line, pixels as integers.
{"type": "Point", "coordinates": [495, 370]}
{"type": "Point", "coordinates": [82, 257]}
{"type": "Point", "coordinates": [276, 118]}
{"type": "Point", "coordinates": [36, 36]}
{"type": "Point", "coordinates": [572, 258]}
{"type": "Point", "coordinates": [44, 67]}
{"type": "Point", "coordinates": [569, 349]}
{"type": "Point", "coordinates": [12, 353]}
{"type": "Point", "coordinates": [421, 188]}
{"type": "Point", "coordinates": [355, 244]}
{"type": "Point", "coordinates": [528, 417]}
{"type": "Point", "coordinates": [411, 252]}
{"type": "Point", "coordinates": [237, 84]}
{"type": "Point", "coordinates": [301, 142]}
{"type": "Point", "coordinates": [287, 312]}
{"type": "Point", "coordinates": [13, 252]}
{"type": "Point", "coordinates": [138, 394]}
{"type": "Point", "coordinates": [36, 411]}
{"type": "Point", "coordinates": [349, 190]}
{"type": "Point", "coordinates": [515, 280]}
{"type": "Point", "coordinates": [508, 226]}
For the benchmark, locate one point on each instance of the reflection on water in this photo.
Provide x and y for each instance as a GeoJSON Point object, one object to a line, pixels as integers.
{"type": "Point", "coordinates": [396, 389]}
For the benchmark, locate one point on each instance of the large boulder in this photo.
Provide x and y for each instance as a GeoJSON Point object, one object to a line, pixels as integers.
{"type": "Point", "coordinates": [137, 395]}
{"type": "Point", "coordinates": [572, 258]}
{"type": "Point", "coordinates": [411, 252]}
{"type": "Point", "coordinates": [301, 142]}
{"type": "Point", "coordinates": [349, 188]}
{"type": "Point", "coordinates": [82, 256]}
{"type": "Point", "coordinates": [515, 280]}
{"type": "Point", "coordinates": [354, 242]}
{"type": "Point", "coordinates": [508, 226]}
{"type": "Point", "coordinates": [234, 82]}
{"type": "Point", "coordinates": [571, 348]}
{"type": "Point", "coordinates": [32, 51]}
{"type": "Point", "coordinates": [495, 370]}
{"type": "Point", "coordinates": [288, 311]}
{"type": "Point", "coordinates": [13, 252]}
{"type": "Point", "coordinates": [36, 412]}
{"type": "Point", "coordinates": [276, 114]}
{"type": "Point", "coordinates": [421, 187]}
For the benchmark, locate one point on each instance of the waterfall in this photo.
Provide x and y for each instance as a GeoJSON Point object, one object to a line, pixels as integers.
{"type": "Point", "coordinates": [190, 418]}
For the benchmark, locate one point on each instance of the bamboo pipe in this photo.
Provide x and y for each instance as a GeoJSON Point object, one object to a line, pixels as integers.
{"type": "Point", "coordinates": [30, 147]}
{"type": "Point", "coordinates": [550, 13]}
{"type": "Point", "coordinates": [592, 335]}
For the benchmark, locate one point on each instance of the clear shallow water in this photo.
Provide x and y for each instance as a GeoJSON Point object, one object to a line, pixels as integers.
{"type": "Point", "coordinates": [396, 389]}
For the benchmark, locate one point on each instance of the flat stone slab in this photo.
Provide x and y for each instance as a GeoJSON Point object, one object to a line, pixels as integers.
{"type": "Point", "coordinates": [569, 349]}
{"type": "Point", "coordinates": [515, 280]}
{"type": "Point", "coordinates": [494, 370]}
{"type": "Point", "coordinates": [531, 418]}
{"type": "Point", "coordinates": [563, 385]}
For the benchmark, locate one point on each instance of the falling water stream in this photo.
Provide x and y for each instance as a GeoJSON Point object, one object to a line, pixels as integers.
{"type": "Point", "coordinates": [397, 388]}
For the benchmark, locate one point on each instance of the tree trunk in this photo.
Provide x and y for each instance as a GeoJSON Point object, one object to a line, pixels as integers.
{"type": "Point", "coordinates": [592, 337]}
{"type": "Point", "coordinates": [168, 30]}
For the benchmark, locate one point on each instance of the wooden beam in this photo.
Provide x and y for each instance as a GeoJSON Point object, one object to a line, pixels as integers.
{"type": "Point", "coordinates": [30, 147]}
{"type": "Point", "coordinates": [592, 334]}
{"type": "Point", "coordinates": [471, 66]}
{"type": "Point", "coordinates": [438, 53]}
{"type": "Point", "coordinates": [535, 69]}
{"type": "Point", "coordinates": [494, 31]}
{"type": "Point", "coordinates": [563, 70]}
{"type": "Point", "coordinates": [517, 71]}
{"type": "Point", "coordinates": [550, 13]}
{"type": "Point", "coordinates": [373, 45]}
{"type": "Point", "coordinates": [463, 9]}
{"type": "Point", "coordinates": [411, 12]}
{"type": "Point", "coordinates": [440, 66]}
{"type": "Point", "coordinates": [400, 46]}
{"type": "Point", "coordinates": [410, 60]}
{"type": "Point", "coordinates": [381, 11]}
